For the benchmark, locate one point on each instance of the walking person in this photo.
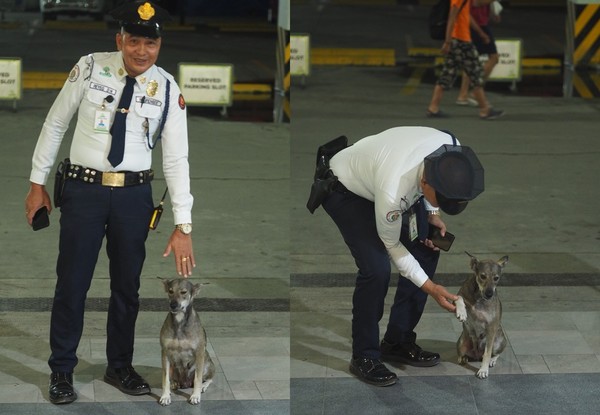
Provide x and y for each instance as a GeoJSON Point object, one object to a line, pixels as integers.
{"type": "Point", "coordinates": [484, 41]}
{"type": "Point", "coordinates": [125, 104]}
{"type": "Point", "coordinates": [461, 55]}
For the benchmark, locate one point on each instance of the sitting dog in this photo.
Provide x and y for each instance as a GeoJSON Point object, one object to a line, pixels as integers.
{"type": "Point", "coordinates": [185, 360]}
{"type": "Point", "coordinates": [480, 311]}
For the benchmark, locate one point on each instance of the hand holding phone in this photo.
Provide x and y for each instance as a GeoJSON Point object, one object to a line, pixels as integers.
{"type": "Point", "coordinates": [442, 242]}
{"type": "Point", "coordinates": [40, 219]}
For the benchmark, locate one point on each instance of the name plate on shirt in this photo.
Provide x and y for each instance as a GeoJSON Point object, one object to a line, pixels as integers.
{"type": "Point", "coordinates": [10, 78]}
{"type": "Point", "coordinates": [209, 85]}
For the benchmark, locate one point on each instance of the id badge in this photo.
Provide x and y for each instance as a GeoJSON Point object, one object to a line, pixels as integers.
{"type": "Point", "coordinates": [413, 231]}
{"type": "Point", "coordinates": [102, 121]}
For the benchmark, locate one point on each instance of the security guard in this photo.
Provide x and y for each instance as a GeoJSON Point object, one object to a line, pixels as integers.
{"type": "Point", "coordinates": [387, 190]}
{"type": "Point", "coordinates": [125, 104]}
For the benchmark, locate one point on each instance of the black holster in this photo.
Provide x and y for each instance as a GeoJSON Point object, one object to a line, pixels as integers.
{"type": "Point", "coordinates": [324, 179]}
{"type": "Point", "coordinates": [59, 181]}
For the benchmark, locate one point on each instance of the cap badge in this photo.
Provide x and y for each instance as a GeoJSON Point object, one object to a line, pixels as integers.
{"type": "Point", "coordinates": [151, 88]}
{"type": "Point", "coordinates": [146, 11]}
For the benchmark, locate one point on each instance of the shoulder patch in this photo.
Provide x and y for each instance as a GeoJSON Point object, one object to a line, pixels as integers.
{"type": "Point", "coordinates": [74, 74]}
{"type": "Point", "coordinates": [181, 102]}
{"type": "Point", "coordinates": [393, 216]}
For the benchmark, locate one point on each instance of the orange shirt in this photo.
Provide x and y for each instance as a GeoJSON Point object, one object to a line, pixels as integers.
{"type": "Point", "coordinates": [461, 30]}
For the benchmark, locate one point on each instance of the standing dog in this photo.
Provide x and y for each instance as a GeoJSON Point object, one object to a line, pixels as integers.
{"type": "Point", "coordinates": [185, 360]}
{"type": "Point", "coordinates": [479, 309]}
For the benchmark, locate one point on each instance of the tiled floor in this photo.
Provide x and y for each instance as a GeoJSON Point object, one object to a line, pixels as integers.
{"type": "Point", "coordinates": [554, 340]}
{"type": "Point", "coordinates": [251, 365]}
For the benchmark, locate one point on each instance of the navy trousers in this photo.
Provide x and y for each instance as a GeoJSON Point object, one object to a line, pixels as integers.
{"type": "Point", "coordinates": [355, 218]}
{"type": "Point", "coordinates": [89, 213]}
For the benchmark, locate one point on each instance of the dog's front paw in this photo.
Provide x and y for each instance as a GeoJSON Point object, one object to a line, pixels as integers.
{"type": "Point", "coordinates": [461, 310]}
{"type": "Point", "coordinates": [165, 399]}
{"type": "Point", "coordinates": [482, 373]}
{"type": "Point", "coordinates": [195, 399]}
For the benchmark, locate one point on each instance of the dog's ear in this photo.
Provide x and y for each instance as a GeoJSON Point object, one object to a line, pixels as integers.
{"type": "Point", "coordinates": [502, 261]}
{"type": "Point", "coordinates": [166, 284]}
{"type": "Point", "coordinates": [195, 289]}
{"type": "Point", "coordinates": [474, 261]}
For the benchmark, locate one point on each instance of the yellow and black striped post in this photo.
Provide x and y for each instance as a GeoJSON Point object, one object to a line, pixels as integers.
{"type": "Point", "coordinates": [587, 35]}
{"type": "Point", "coordinates": [282, 107]}
{"type": "Point", "coordinates": [582, 50]}
{"type": "Point", "coordinates": [287, 109]}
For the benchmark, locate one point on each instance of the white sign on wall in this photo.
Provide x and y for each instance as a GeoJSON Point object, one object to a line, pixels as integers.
{"type": "Point", "coordinates": [300, 54]}
{"type": "Point", "coordinates": [509, 60]}
{"type": "Point", "coordinates": [10, 78]}
{"type": "Point", "coordinates": [206, 84]}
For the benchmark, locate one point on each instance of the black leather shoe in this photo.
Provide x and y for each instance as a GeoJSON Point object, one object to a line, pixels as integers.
{"type": "Point", "coordinates": [408, 353]}
{"type": "Point", "coordinates": [61, 388]}
{"type": "Point", "coordinates": [126, 380]}
{"type": "Point", "coordinates": [372, 371]}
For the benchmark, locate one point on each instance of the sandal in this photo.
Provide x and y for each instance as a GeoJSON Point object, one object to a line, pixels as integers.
{"type": "Point", "coordinates": [492, 114]}
{"type": "Point", "coordinates": [467, 102]}
{"type": "Point", "coordinates": [439, 114]}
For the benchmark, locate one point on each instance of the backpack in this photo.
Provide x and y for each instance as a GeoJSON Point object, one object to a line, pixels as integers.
{"type": "Point", "coordinates": [438, 18]}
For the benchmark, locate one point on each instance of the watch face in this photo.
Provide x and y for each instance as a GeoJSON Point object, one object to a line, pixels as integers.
{"type": "Point", "coordinates": [186, 228]}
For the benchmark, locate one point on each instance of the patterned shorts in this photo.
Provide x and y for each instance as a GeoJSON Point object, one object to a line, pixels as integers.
{"type": "Point", "coordinates": [462, 56]}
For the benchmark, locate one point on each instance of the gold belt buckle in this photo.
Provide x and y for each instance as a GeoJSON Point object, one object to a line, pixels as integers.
{"type": "Point", "coordinates": [113, 179]}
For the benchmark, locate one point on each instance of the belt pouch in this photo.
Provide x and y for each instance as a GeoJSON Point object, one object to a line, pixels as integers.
{"type": "Point", "coordinates": [324, 179]}
{"type": "Point", "coordinates": [319, 191]}
{"type": "Point", "coordinates": [59, 181]}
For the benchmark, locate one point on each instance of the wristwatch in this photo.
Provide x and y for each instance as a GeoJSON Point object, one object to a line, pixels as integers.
{"type": "Point", "coordinates": [184, 228]}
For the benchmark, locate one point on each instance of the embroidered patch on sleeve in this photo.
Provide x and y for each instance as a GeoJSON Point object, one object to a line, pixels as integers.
{"type": "Point", "coordinates": [74, 74]}
{"type": "Point", "coordinates": [181, 102]}
{"type": "Point", "coordinates": [393, 215]}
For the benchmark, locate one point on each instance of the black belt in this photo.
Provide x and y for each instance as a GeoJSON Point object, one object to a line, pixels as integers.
{"type": "Point", "coordinates": [109, 178]}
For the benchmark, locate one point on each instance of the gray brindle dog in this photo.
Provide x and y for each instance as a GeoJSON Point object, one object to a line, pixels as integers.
{"type": "Point", "coordinates": [480, 311]}
{"type": "Point", "coordinates": [185, 360]}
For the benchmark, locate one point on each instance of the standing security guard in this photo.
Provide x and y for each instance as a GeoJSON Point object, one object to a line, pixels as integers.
{"type": "Point", "coordinates": [383, 193]}
{"type": "Point", "coordinates": [125, 104]}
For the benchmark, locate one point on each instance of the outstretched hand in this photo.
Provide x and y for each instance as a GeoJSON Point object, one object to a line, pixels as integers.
{"type": "Point", "coordinates": [439, 293]}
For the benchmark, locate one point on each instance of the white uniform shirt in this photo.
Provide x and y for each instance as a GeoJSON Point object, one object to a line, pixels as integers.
{"type": "Point", "coordinates": [386, 169]}
{"type": "Point", "coordinates": [94, 78]}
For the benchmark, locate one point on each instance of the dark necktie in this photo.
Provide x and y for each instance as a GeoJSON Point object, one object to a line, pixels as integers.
{"type": "Point", "coordinates": [117, 130]}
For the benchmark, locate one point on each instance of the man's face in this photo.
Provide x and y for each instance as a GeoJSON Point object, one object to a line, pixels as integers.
{"type": "Point", "coordinates": [139, 53]}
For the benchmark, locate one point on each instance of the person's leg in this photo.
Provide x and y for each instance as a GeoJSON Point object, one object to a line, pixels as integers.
{"type": "Point", "coordinates": [126, 234]}
{"type": "Point", "coordinates": [446, 79]}
{"type": "Point", "coordinates": [463, 92]}
{"type": "Point", "coordinates": [488, 49]}
{"type": "Point", "coordinates": [409, 300]}
{"type": "Point", "coordinates": [355, 218]}
{"type": "Point", "coordinates": [82, 222]}
{"type": "Point", "coordinates": [399, 343]}
{"type": "Point", "coordinates": [474, 70]}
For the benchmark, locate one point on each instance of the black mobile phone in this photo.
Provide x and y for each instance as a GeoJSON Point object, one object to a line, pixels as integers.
{"type": "Point", "coordinates": [40, 219]}
{"type": "Point", "coordinates": [445, 242]}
